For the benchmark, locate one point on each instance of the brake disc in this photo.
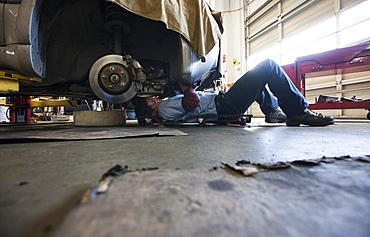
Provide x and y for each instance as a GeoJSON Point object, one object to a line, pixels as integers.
{"type": "Point", "coordinates": [111, 80]}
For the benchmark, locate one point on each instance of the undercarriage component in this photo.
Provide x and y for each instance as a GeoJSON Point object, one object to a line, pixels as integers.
{"type": "Point", "coordinates": [9, 81]}
{"type": "Point", "coordinates": [114, 79]}
{"type": "Point", "coordinates": [157, 80]}
{"type": "Point", "coordinates": [117, 26]}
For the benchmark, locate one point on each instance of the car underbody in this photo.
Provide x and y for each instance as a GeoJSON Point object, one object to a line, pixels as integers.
{"type": "Point", "coordinates": [98, 49]}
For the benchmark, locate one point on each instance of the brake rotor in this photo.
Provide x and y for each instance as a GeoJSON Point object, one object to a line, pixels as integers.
{"type": "Point", "coordinates": [111, 80]}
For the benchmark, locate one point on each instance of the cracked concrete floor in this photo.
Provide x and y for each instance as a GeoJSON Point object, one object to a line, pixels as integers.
{"type": "Point", "coordinates": [41, 181]}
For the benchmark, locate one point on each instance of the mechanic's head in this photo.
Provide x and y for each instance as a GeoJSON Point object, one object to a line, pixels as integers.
{"type": "Point", "coordinates": [146, 107]}
{"type": "Point", "coordinates": [153, 103]}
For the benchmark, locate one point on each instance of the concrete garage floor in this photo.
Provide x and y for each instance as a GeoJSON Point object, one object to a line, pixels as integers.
{"type": "Point", "coordinates": [191, 193]}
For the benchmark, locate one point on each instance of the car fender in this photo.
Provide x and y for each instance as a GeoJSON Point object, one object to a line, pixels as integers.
{"type": "Point", "coordinates": [21, 51]}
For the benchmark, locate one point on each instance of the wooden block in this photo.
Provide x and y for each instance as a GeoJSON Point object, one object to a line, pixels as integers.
{"type": "Point", "coordinates": [99, 118]}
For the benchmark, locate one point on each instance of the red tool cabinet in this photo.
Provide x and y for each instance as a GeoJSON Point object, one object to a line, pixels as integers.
{"type": "Point", "coordinates": [349, 60]}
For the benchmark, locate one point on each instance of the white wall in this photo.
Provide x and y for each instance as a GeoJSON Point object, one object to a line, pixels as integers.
{"type": "Point", "coordinates": [233, 43]}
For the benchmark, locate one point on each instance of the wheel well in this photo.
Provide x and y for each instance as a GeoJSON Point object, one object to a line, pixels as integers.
{"type": "Point", "coordinates": [66, 34]}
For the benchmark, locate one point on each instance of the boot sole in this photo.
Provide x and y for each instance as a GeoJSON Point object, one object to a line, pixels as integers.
{"type": "Point", "coordinates": [275, 121]}
{"type": "Point", "coordinates": [292, 124]}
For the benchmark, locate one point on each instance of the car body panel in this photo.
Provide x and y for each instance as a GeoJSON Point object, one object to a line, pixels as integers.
{"type": "Point", "coordinates": [2, 35]}
{"type": "Point", "coordinates": [20, 29]}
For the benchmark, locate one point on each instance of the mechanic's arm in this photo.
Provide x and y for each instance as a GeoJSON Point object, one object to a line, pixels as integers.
{"type": "Point", "coordinates": [191, 99]}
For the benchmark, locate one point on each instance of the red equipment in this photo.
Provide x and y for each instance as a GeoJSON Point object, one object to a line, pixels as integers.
{"type": "Point", "coordinates": [349, 60]}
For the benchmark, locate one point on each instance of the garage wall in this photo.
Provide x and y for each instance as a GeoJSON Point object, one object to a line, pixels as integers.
{"type": "Point", "coordinates": [285, 29]}
{"type": "Point", "coordinates": [233, 42]}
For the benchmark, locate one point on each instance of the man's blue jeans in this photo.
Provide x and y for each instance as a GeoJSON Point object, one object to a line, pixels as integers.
{"type": "Point", "coordinates": [251, 87]}
{"type": "Point", "coordinates": [267, 102]}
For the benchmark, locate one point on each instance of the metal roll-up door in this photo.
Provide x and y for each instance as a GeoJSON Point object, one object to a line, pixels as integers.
{"type": "Point", "coordinates": [349, 3]}
{"type": "Point", "coordinates": [277, 20]}
{"type": "Point", "coordinates": [306, 16]}
{"type": "Point", "coordinates": [265, 41]}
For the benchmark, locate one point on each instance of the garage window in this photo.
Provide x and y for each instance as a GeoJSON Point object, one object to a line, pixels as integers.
{"type": "Point", "coordinates": [296, 28]}
{"type": "Point", "coordinates": [355, 25]}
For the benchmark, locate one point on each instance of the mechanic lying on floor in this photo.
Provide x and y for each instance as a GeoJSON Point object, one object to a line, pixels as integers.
{"type": "Point", "coordinates": [249, 88]}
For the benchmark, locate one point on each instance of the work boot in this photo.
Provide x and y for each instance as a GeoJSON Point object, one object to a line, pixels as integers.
{"type": "Point", "coordinates": [275, 117]}
{"type": "Point", "coordinates": [310, 118]}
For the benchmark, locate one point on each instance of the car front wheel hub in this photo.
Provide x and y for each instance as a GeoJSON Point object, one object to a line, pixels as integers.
{"type": "Point", "coordinates": [114, 79]}
{"type": "Point", "coordinates": [111, 80]}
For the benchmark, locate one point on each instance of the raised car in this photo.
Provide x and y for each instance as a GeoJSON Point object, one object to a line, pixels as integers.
{"type": "Point", "coordinates": [112, 50]}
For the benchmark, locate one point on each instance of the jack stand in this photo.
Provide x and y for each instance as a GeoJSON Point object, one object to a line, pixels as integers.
{"type": "Point", "coordinates": [19, 108]}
